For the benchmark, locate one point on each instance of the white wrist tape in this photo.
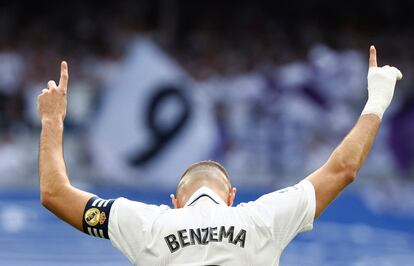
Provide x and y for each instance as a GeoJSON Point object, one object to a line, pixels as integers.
{"type": "Point", "coordinates": [381, 85]}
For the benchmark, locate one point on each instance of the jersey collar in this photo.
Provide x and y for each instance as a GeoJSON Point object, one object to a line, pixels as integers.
{"type": "Point", "coordinates": [204, 192]}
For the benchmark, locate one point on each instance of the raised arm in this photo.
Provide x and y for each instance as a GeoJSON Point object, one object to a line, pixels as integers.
{"type": "Point", "coordinates": [346, 160]}
{"type": "Point", "coordinates": [56, 192]}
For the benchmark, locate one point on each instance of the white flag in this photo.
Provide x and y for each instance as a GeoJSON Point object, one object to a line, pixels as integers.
{"type": "Point", "coordinates": [152, 123]}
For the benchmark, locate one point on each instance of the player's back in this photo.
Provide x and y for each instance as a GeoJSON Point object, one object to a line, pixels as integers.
{"type": "Point", "coordinates": [208, 232]}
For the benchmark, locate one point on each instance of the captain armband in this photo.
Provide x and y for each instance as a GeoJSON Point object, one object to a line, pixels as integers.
{"type": "Point", "coordinates": [96, 217]}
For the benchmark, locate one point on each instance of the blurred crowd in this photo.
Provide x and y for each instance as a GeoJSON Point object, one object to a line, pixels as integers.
{"type": "Point", "coordinates": [287, 82]}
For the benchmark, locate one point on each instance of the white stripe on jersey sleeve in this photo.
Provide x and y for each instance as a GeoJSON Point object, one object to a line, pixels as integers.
{"type": "Point", "coordinates": [90, 231]}
{"type": "Point", "coordinates": [100, 203]}
{"type": "Point", "coordinates": [101, 233]}
{"type": "Point", "coordinates": [95, 202]}
{"type": "Point", "coordinates": [95, 232]}
{"type": "Point", "coordinates": [106, 203]}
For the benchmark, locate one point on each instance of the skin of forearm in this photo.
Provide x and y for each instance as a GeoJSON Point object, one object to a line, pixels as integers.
{"type": "Point", "coordinates": [353, 150]}
{"type": "Point", "coordinates": [344, 163]}
{"type": "Point", "coordinates": [52, 169]}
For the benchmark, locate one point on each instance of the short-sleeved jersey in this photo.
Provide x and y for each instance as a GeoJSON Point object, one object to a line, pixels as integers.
{"type": "Point", "coordinates": [208, 232]}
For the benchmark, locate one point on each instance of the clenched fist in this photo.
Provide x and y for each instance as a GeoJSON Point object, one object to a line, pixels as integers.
{"type": "Point", "coordinates": [52, 102]}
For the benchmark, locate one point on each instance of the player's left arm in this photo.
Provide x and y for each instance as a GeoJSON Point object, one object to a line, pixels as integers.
{"type": "Point", "coordinates": [56, 192]}
{"type": "Point", "coordinates": [344, 163]}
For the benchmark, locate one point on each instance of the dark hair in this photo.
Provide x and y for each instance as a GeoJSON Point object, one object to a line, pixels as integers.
{"type": "Point", "coordinates": [208, 163]}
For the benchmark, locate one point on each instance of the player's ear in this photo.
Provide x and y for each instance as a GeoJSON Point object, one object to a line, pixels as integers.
{"type": "Point", "coordinates": [232, 196]}
{"type": "Point", "coordinates": [174, 201]}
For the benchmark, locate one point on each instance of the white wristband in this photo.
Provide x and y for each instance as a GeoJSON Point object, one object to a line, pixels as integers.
{"type": "Point", "coordinates": [381, 85]}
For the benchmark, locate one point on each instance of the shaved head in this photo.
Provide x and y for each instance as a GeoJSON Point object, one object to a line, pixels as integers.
{"type": "Point", "coordinates": [204, 173]}
{"type": "Point", "coordinates": [205, 165]}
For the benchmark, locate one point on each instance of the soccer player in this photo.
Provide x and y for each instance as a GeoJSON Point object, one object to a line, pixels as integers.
{"type": "Point", "coordinates": [204, 228]}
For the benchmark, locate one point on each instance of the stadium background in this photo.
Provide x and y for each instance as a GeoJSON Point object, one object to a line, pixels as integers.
{"type": "Point", "coordinates": [266, 88]}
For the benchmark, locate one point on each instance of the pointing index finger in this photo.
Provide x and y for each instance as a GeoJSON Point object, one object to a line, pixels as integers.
{"type": "Point", "coordinates": [372, 56]}
{"type": "Point", "coordinates": [64, 76]}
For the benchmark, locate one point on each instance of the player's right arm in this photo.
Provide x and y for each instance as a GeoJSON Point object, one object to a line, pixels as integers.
{"type": "Point", "coordinates": [344, 163]}
{"type": "Point", "coordinates": [56, 192]}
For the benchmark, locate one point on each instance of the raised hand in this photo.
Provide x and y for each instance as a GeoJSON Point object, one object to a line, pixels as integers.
{"type": "Point", "coordinates": [381, 85]}
{"type": "Point", "coordinates": [52, 102]}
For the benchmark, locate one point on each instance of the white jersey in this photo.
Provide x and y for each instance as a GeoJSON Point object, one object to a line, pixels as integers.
{"type": "Point", "coordinates": [208, 232]}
